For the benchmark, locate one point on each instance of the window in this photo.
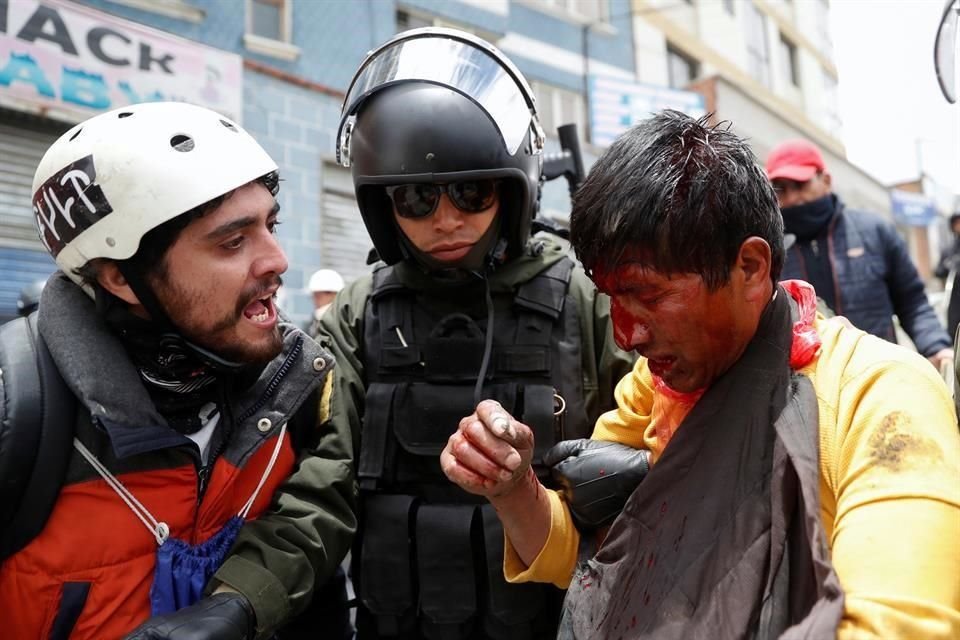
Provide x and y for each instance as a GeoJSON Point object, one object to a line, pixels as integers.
{"type": "Point", "coordinates": [758, 52]}
{"type": "Point", "coordinates": [559, 106]}
{"type": "Point", "coordinates": [823, 25]}
{"type": "Point", "coordinates": [788, 60]}
{"type": "Point", "coordinates": [269, 29]}
{"type": "Point", "coordinates": [728, 7]}
{"type": "Point", "coordinates": [406, 20]}
{"type": "Point", "coordinates": [268, 19]}
{"type": "Point", "coordinates": [585, 10]}
{"type": "Point", "coordinates": [832, 122]}
{"type": "Point", "coordinates": [681, 69]}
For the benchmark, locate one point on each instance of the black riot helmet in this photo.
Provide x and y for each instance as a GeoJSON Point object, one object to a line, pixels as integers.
{"type": "Point", "coordinates": [438, 106]}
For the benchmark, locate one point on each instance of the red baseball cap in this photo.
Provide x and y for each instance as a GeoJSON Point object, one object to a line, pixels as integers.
{"type": "Point", "coordinates": [797, 160]}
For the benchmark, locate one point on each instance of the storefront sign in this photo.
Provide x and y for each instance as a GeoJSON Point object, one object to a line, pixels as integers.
{"type": "Point", "coordinates": [913, 209]}
{"type": "Point", "coordinates": [73, 61]}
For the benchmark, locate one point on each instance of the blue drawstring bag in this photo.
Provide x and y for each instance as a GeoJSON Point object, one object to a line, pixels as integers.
{"type": "Point", "coordinates": [183, 570]}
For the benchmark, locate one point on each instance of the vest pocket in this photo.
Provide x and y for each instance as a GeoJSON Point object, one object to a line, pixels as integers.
{"type": "Point", "coordinates": [72, 599]}
{"type": "Point", "coordinates": [426, 415]}
{"type": "Point", "coordinates": [445, 569]}
{"type": "Point", "coordinates": [386, 575]}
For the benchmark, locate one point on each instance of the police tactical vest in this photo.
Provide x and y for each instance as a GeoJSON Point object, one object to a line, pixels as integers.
{"type": "Point", "coordinates": [431, 559]}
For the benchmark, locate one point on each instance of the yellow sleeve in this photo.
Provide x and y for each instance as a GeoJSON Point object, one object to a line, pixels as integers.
{"type": "Point", "coordinates": [627, 425]}
{"type": "Point", "coordinates": [891, 469]}
{"type": "Point", "coordinates": [558, 557]}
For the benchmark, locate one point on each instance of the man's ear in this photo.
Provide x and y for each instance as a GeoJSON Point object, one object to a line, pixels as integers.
{"type": "Point", "coordinates": [753, 263]}
{"type": "Point", "coordinates": [110, 278]}
{"type": "Point", "coordinates": [827, 180]}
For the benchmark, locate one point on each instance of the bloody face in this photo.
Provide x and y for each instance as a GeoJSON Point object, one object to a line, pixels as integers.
{"type": "Point", "coordinates": [689, 334]}
{"type": "Point", "coordinates": [220, 277]}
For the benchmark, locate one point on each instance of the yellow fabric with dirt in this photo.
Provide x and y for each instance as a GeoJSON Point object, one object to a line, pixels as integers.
{"type": "Point", "coordinates": [889, 484]}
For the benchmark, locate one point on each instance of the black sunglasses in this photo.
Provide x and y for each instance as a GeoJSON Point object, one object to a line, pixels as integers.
{"type": "Point", "coordinates": [420, 200]}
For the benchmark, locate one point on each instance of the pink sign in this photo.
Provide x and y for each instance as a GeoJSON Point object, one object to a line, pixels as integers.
{"type": "Point", "coordinates": [75, 61]}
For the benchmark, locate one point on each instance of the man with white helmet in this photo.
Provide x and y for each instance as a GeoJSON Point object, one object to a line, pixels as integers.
{"type": "Point", "coordinates": [203, 493]}
{"type": "Point", "coordinates": [324, 285]}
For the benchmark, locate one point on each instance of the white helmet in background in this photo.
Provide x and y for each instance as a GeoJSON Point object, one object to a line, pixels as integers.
{"type": "Point", "coordinates": [325, 280]}
{"type": "Point", "coordinates": [109, 180]}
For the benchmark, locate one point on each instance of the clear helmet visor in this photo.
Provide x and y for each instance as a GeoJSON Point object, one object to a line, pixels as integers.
{"type": "Point", "coordinates": [945, 50]}
{"type": "Point", "coordinates": [452, 59]}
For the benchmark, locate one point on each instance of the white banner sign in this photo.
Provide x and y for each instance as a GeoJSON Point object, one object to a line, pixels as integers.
{"type": "Point", "coordinates": [75, 61]}
{"type": "Point", "coordinates": [616, 105]}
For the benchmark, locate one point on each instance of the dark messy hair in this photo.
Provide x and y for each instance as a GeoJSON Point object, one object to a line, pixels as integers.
{"type": "Point", "coordinates": [148, 260]}
{"type": "Point", "coordinates": [681, 192]}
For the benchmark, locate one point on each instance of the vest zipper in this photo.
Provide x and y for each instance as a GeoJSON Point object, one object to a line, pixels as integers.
{"type": "Point", "coordinates": [223, 432]}
{"type": "Point", "coordinates": [837, 297]}
{"type": "Point", "coordinates": [275, 381]}
{"type": "Point", "coordinates": [228, 421]}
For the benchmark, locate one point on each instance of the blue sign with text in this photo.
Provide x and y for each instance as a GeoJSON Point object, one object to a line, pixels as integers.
{"type": "Point", "coordinates": [912, 209]}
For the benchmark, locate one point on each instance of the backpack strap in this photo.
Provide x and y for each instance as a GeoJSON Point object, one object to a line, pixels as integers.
{"type": "Point", "coordinates": [36, 433]}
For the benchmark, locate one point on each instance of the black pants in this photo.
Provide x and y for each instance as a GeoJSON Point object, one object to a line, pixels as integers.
{"type": "Point", "coordinates": [327, 617]}
{"type": "Point", "coordinates": [542, 627]}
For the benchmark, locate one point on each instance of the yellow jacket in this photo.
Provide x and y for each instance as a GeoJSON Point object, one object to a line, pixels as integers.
{"type": "Point", "coordinates": [889, 484]}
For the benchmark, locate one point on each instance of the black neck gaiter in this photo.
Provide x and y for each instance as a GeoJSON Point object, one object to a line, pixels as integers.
{"type": "Point", "coordinates": [806, 221]}
{"type": "Point", "coordinates": [179, 384]}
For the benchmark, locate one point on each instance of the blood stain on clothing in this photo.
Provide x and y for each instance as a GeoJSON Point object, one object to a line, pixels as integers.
{"type": "Point", "coordinates": [893, 447]}
{"type": "Point", "coordinates": [679, 538]}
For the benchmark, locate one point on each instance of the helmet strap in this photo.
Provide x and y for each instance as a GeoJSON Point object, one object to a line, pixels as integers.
{"type": "Point", "coordinates": [486, 254]}
{"type": "Point", "coordinates": [169, 333]}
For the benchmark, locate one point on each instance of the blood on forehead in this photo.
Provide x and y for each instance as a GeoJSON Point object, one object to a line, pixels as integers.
{"type": "Point", "coordinates": [627, 271]}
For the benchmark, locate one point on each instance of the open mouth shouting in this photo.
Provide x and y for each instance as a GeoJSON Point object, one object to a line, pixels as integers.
{"type": "Point", "coordinates": [262, 312]}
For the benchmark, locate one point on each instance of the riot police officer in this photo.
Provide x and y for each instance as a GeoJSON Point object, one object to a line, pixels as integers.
{"type": "Point", "coordinates": [445, 147]}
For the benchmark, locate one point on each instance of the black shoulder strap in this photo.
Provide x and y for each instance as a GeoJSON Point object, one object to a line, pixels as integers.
{"type": "Point", "coordinates": [546, 292]}
{"type": "Point", "coordinates": [36, 433]}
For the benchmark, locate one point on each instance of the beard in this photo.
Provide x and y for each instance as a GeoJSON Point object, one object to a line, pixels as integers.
{"type": "Point", "coordinates": [197, 321]}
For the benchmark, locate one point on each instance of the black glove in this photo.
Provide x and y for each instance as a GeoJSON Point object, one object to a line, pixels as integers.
{"type": "Point", "coordinates": [596, 477]}
{"type": "Point", "coordinates": [223, 616]}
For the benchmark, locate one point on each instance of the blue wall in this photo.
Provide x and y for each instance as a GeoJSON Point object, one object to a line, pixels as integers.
{"type": "Point", "coordinates": [297, 126]}
{"type": "Point", "coordinates": [333, 35]}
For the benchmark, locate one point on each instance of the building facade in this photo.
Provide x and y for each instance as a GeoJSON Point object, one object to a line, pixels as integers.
{"type": "Point", "coordinates": [280, 67]}
{"type": "Point", "coordinates": [764, 65]}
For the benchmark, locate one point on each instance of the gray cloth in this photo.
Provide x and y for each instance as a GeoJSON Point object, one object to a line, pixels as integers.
{"type": "Point", "coordinates": [723, 537]}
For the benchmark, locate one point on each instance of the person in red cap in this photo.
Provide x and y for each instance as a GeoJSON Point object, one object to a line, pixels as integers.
{"type": "Point", "coordinates": [856, 260]}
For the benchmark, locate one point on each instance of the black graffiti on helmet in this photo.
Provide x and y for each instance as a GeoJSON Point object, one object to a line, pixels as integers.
{"type": "Point", "coordinates": [68, 203]}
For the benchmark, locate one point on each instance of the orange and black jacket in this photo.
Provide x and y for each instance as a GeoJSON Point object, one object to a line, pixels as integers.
{"type": "Point", "coordinates": [88, 573]}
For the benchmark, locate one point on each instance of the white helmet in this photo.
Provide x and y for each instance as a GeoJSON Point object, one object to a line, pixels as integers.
{"type": "Point", "coordinates": [109, 180]}
{"type": "Point", "coordinates": [325, 280]}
